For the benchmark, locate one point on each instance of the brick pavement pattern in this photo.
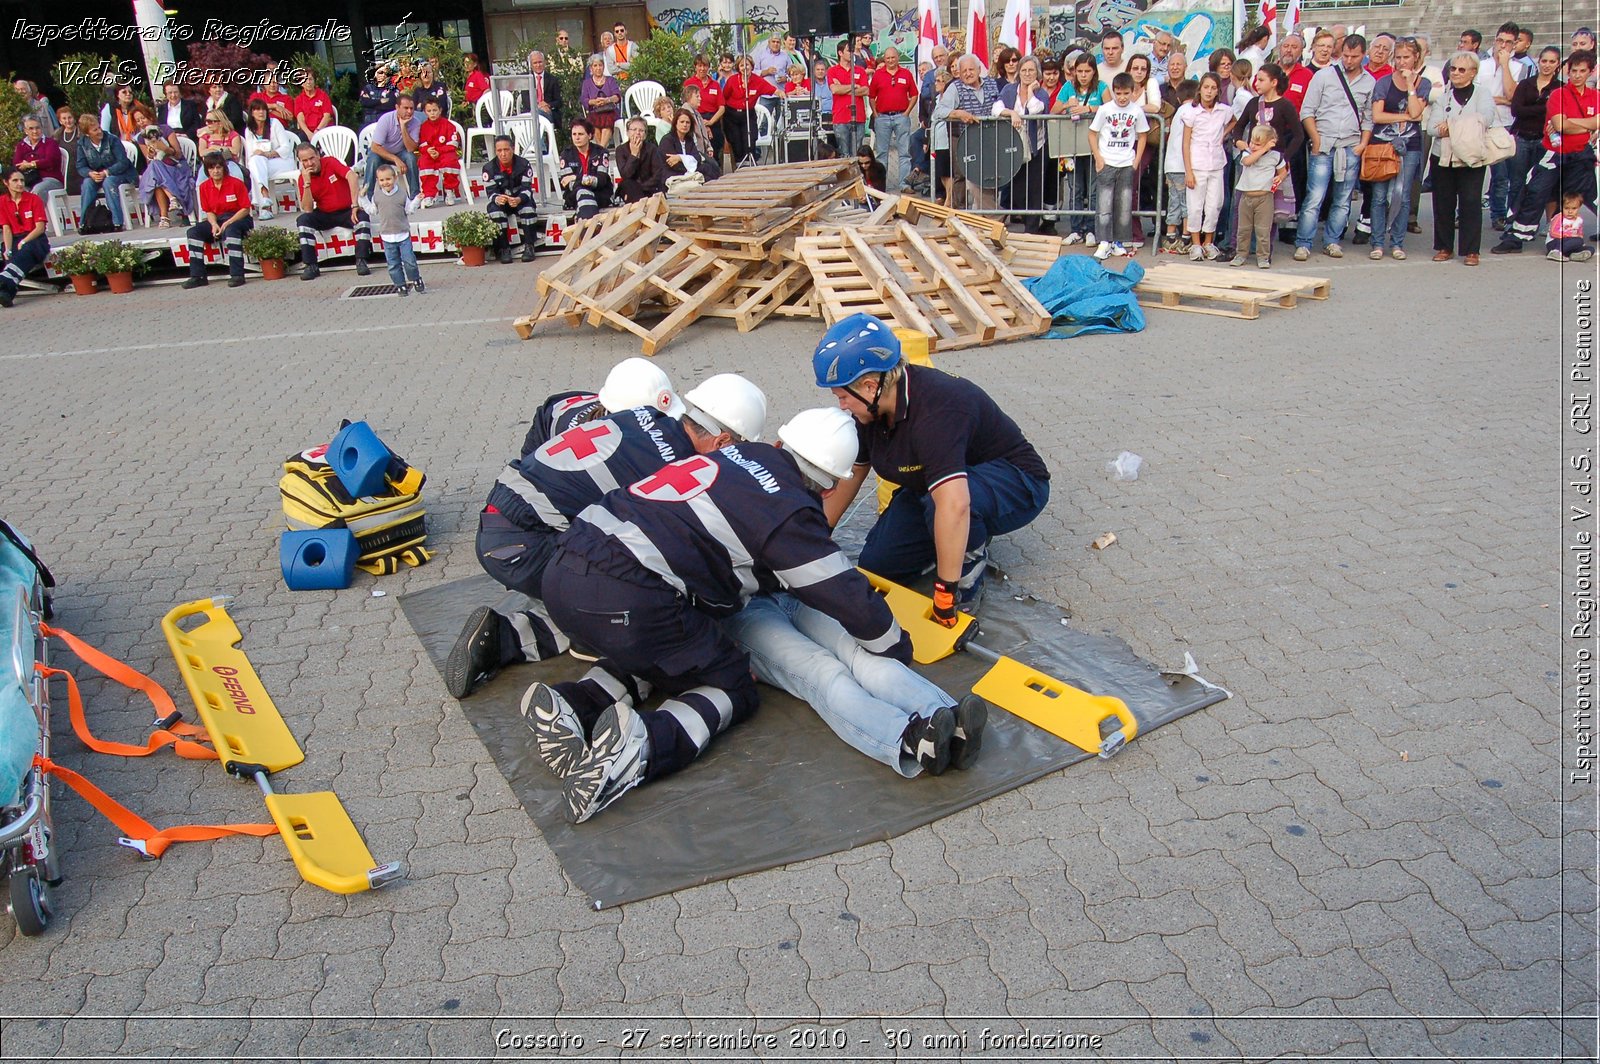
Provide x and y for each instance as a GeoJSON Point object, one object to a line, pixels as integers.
{"type": "Point", "coordinates": [1347, 520]}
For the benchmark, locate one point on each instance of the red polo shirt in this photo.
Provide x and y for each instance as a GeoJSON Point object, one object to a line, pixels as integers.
{"type": "Point", "coordinates": [329, 190]}
{"type": "Point", "coordinates": [892, 92]}
{"type": "Point", "coordinates": [1570, 102]}
{"type": "Point", "coordinates": [274, 99]}
{"type": "Point", "coordinates": [313, 108]}
{"type": "Point", "coordinates": [22, 215]}
{"type": "Point", "coordinates": [1299, 81]}
{"type": "Point", "coordinates": [741, 94]}
{"type": "Point", "coordinates": [846, 108]}
{"type": "Point", "coordinates": [710, 94]}
{"type": "Point", "coordinates": [226, 201]}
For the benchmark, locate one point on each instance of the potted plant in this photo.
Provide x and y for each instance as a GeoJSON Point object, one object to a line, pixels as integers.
{"type": "Point", "coordinates": [117, 261]}
{"type": "Point", "coordinates": [272, 246]}
{"type": "Point", "coordinates": [77, 261]}
{"type": "Point", "coordinates": [471, 231]}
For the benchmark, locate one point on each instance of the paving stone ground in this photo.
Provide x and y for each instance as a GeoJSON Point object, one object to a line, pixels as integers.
{"type": "Point", "coordinates": [1348, 514]}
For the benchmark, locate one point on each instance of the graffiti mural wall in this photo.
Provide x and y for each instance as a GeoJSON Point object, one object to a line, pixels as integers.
{"type": "Point", "coordinates": [1202, 25]}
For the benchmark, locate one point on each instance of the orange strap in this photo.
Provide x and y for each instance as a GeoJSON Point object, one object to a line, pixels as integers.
{"type": "Point", "coordinates": [139, 833]}
{"type": "Point", "coordinates": [133, 679]}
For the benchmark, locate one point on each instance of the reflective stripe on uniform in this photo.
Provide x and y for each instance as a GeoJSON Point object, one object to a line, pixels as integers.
{"type": "Point", "coordinates": [690, 721]}
{"type": "Point", "coordinates": [717, 524]}
{"type": "Point", "coordinates": [546, 510]}
{"type": "Point", "coordinates": [884, 642]}
{"type": "Point", "coordinates": [635, 542]}
{"type": "Point", "coordinates": [814, 572]}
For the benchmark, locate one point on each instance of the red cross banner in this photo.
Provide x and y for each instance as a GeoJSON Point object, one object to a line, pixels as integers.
{"type": "Point", "coordinates": [978, 32]}
{"type": "Point", "coordinates": [1017, 28]}
{"type": "Point", "coordinates": [930, 33]}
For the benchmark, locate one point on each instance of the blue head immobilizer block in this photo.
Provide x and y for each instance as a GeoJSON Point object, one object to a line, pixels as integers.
{"type": "Point", "coordinates": [321, 559]}
{"type": "Point", "coordinates": [360, 459]}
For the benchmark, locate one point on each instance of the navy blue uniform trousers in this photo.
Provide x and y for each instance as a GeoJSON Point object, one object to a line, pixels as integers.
{"type": "Point", "coordinates": [644, 628]}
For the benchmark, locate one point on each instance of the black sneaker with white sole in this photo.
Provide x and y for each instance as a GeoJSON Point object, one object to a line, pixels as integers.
{"type": "Point", "coordinates": [929, 740]}
{"type": "Point", "coordinates": [972, 715]}
{"type": "Point", "coordinates": [614, 765]}
{"type": "Point", "coordinates": [475, 659]}
{"type": "Point", "coordinates": [557, 732]}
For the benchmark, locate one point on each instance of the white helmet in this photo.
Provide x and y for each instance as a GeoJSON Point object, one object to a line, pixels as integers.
{"type": "Point", "coordinates": [638, 382]}
{"type": "Point", "coordinates": [823, 444]}
{"type": "Point", "coordinates": [728, 403]}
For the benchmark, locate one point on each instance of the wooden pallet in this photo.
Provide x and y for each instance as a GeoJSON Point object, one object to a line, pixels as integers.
{"type": "Point", "coordinates": [1177, 286]}
{"type": "Point", "coordinates": [947, 283]}
{"type": "Point", "coordinates": [915, 209]}
{"type": "Point", "coordinates": [759, 295]}
{"type": "Point", "coordinates": [757, 200]}
{"type": "Point", "coordinates": [1029, 255]}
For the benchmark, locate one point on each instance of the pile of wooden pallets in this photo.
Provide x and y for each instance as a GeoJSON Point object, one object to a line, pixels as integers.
{"type": "Point", "coordinates": [1223, 292]}
{"type": "Point", "coordinates": [802, 240]}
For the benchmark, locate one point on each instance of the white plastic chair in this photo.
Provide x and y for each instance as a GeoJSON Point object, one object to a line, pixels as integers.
{"type": "Point", "coordinates": [336, 141]}
{"type": "Point", "coordinates": [484, 112]}
{"type": "Point", "coordinates": [461, 162]}
{"type": "Point", "coordinates": [364, 143]}
{"type": "Point", "coordinates": [764, 127]}
{"type": "Point", "coordinates": [55, 206]}
{"type": "Point", "coordinates": [641, 98]}
{"type": "Point", "coordinates": [523, 131]}
{"type": "Point", "coordinates": [128, 193]}
{"type": "Point", "coordinates": [191, 152]}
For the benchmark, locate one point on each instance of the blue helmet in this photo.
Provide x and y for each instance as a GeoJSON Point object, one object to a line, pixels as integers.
{"type": "Point", "coordinates": [852, 348]}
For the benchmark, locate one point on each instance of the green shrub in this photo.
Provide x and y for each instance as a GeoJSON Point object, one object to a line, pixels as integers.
{"type": "Point", "coordinates": [470, 229]}
{"type": "Point", "coordinates": [666, 58]}
{"type": "Point", "coordinates": [77, 259]}
{"type": "Point", "coordinates": [117, 256]}
{"type": "Point", "coordinates": [73, 74]}
{"type": "Point", "coordinates": [271, 242]}
{"type": "Point", "coordinates": [13, 109]}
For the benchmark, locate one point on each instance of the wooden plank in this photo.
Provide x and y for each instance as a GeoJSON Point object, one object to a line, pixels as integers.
{"type": "Point", "coordinates": [1030, 313]}
{"type": "Point", "coordinates": [974, 315]}
{"type": "Point", "coordinates": [686, 313]}
{"type": "Point", "coordinates": [906, 311]}
{"type": "Point", "coordinates": [1308, 287]}
{"type": "Point", "coordinates": [770, 296]}
{"type": "Point", "coordinates": [1175, 298]}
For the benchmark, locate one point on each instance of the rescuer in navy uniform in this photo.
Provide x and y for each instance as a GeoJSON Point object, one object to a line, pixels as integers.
{"type": "Point", "coordinates": [965, 471]}
{"type": "Point", "coordinates": [579, 447]}
{"type": "Point", "coordinates": [643, 577]}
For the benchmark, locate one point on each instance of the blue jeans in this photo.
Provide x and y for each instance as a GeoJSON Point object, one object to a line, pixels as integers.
{"type": "Point", "coordinates": [1004, 499]}
{"type": "Point", "coordinates": [919, 151]}
{"type": "Point", "coordinates": [867, 700]}
{"type": "Point", "coordinates": [894, 135]}
{"type": "Point", "coordinates": [1529, 151]}
{"type": "Point", "coordinates": [1391, 203]}
{"type": "Point", "coordinates": [401, 258]}
{"type": "Point", "coordinates": [1319, 178]}
{"type": "Point", "coordinates": [847, 136]}
{"type": "Point", "coordinates": [1501, 206]}
{"type": "Point", "coordinates": [413, 176]}
{"type": "Point", "coordinates": [90, 191]}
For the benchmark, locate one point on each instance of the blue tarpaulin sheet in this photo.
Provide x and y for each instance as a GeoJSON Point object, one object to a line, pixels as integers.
{"type": "Point", "coordinates": [1083, 297]}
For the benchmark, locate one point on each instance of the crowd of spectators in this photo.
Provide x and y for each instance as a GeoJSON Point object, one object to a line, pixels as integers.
{"type": "Point", "coordinates": [1326, 140]}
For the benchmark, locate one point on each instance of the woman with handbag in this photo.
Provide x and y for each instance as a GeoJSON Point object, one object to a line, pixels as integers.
{"type": "Point", "coordinates": [1462, 114]}
{"type": "Point", "coordinates": [1017, 100]}
{"type": "Point", "coordinates": [1398, 102]}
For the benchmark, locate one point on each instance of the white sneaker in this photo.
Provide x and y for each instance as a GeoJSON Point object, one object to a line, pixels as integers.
{"type": "Point", "coordinates": [1196, 252]}
{"type": "Point", "coordinates": [1134, 245]}
{"type": "Point", "coordinates": [1333, 251]}
{"type": "Point", "coordinates": [264, 213]}
{"type": "Point", "coordinates": [1119, 251]}
{"type": "Point", "coordinates": [1301, 254]}
{"type": "Point", "coordinates": [614, 765]}
{"type": "Point", "coordinates": [428, 201]}
{"type": "Point", "coordinates": [1103, 251]}
{"type": "Point", "coordinates": [449, 199]}
{"type": "Point", "coordinates": [1088, 238]}
{"type": "Point", "coordinates": [1074, 238]}
{"type": "Point", "coordinates": [557, 732]}
{"type": "Point", "coordinates": [1212, 254]}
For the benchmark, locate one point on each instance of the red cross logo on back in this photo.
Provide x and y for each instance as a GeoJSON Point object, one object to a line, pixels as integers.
{"type": "Point", "coordinates": [582, 446]}
{"type": "Point", "coordinates": [678, 482]}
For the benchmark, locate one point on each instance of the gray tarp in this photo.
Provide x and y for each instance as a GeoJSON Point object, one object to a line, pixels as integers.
{"type": "Point", "coordinates": [781, 787]}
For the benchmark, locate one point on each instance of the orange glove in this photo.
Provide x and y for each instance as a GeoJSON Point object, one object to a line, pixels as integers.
{"type": "Point", "coordinates": [944, 603]}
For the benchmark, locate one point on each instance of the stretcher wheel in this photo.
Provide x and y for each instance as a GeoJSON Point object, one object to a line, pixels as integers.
{"type": "Point", "coordinates": [29, 903]}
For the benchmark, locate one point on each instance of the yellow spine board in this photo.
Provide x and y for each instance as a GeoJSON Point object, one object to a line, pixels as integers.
{"type": "Point", "coordinates": [232, 702]}
{"type": "Point", "coordinates": [326, 847]}
{"type": "Point", "coordinates": [1059, 708]}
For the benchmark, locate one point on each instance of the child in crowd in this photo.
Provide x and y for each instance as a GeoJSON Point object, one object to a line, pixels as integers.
{"type": "Point", "coordinates": [1117, 142]}
{"type": "Point", "coordinates": [1262, 169]}
{"type": "Point", "coordinates": [438, 153]}
{"type": "Point", "coordinates": [389, 207]}
{"type": "Point", "coordinates": [1172, 165]}
{"type": "Point", "coordinates": [1566, 241]}
{"type": "Point", "coordinates": [1203, 163]}
{"type": "Point", "coordinates": [1242, 92]}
